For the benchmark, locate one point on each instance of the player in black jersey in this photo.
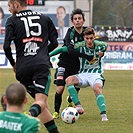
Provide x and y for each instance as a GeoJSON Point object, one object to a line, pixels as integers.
{"type": "Point", "coordinates": [68, 63]}
{"type": "Point", "coordinates": [30, 32]}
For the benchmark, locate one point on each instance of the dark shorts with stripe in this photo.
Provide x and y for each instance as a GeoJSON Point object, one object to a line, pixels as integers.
{"type": "Point", "coordinates": [68, 72]}
{"type": "Point", "coordinates": [36, 79]}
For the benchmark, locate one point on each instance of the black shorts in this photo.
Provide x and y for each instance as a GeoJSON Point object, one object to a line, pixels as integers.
{"type": "Point", "coordinates": [36, 79]}
{"type": "Point", "coordinates": [67, 72]}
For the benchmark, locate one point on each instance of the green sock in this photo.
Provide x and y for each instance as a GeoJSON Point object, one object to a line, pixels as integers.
{"type": "Point", "coordinates": [73, 94]}
{"type": "Point", "coordinates": [101, 103]}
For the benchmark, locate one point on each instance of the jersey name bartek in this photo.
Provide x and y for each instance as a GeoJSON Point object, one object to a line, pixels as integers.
{"type": "Point", "coordinates": [10, 125]}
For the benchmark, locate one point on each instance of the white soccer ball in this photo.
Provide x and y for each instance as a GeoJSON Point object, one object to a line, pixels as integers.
{"type": "Point", "coordinates": [69, 115]}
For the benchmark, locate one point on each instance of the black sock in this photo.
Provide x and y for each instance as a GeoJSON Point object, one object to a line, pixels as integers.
{"type": "Point", "coordinates": [57, 102]}
{"type": "Point", "coordinates": [35, 110]}
{"type": "Point", "coordinates": [103, 112]}
{"type": "Point", "coordinates": [51, 127]}
{"type": "Point", "coordinates": [69, 99]}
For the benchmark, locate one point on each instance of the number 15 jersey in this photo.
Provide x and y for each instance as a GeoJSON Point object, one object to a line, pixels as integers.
{"type": "Point", "coordinates": [30, 32]}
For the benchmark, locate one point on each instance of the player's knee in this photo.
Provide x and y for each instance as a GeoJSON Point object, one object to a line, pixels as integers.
{"type": "Point", "coordinates": [69, 80]}
{"type": "Point", "coordinates": [42, 104]}
{"type": "Point", "coordinates": [97, 89]}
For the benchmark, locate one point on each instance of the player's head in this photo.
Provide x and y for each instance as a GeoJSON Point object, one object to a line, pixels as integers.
{"type": "Point", "coordinates": [16, 5]}
{"type": "Point", "coordinates": [1, 13]}
{"type": "Point", "coordinates": [77, 18]}
{"type": "Point", "coordinates": [15, 94]}
{"type": "Point", "coordinates": [89, 37]}
{"type": "Point", "coordinates": [61, 12]}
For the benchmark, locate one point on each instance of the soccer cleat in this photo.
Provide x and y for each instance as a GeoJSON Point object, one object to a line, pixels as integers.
{"type": "Point", "coordinates": [69, 104]}
{"type": "Point", "coordinates": [2, 103]}
{"type": "Point", "coordinates": [55, 115]}
{"type": "Point", "coordinates": [104, 117]}
{"type": "Point", "coordinates": [80, 109]}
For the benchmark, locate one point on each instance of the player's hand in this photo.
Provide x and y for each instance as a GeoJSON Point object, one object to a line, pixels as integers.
{"type": "Point", "coordinates": [101, 54]}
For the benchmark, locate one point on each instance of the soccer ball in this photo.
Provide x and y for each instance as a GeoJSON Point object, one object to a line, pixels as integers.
{"type": "Point", "coordinates": [69, 115]}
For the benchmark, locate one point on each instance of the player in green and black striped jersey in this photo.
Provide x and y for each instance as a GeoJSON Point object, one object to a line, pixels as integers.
{"type": "Point", "coordinates": [91, 72]}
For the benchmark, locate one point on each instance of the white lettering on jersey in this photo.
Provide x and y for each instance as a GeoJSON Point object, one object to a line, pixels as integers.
{"type": "Point", "coordinates": [10, 125]}
{"type": "Point", "coordinates": [27, 13]}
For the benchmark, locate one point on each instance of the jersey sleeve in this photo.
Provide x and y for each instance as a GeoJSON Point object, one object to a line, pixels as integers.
{"type": "Point", "coordinates": [67, 39]}
{"type": "Point", "coordinates": [75, 53]}
{"type": "Point", "coordinates": [53, 35]}
{"type": "Point", "coordinates": [103, 45]}
{"type": "Point", "coordinates": [58, 51]}
{"type": "Point", "coordinates": [8, 39]}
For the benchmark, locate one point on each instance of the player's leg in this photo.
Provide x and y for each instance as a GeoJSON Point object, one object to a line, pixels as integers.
{"type": "Point", "coordinates": [58, 101]}
{"type": "Point", "coordinates": [60, 82]}
{"type": "Point", "coordinates": [69, 100]}
{"type": "Point", "coordinates": [3, 104]}
{"type": "Point", "coordinates": [70, 82]}
{"type": "Point", "coordinates": [40, 78]}
{"type": "Point", "coordinates": [45, 115]}
{"type": "Point", "coordinates": [100, 99]}
{"type": "Point", "coordinates": [41, 81]}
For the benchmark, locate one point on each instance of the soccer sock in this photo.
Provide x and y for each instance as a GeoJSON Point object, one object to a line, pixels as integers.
{"type": "Point", "coordinates": [73, 94]}
{"type": "Point", "coordinates": [69, 98]}
{"type": "Point", "coordinates": [57, 102]}
{"type": "Point", "coordinates": [101, 103]}
{"type": "Point", "coordinates": [35, 110]}
{"type": "Point", "coordinates": [51, 127]}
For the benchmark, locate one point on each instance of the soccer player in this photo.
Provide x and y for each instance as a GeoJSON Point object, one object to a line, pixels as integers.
{"type": "Point", "coordinates": [13, 120]}
{"type": "Point", "coordinates": [31, 32]}
{"type": "Point", "coordinates": [90, 73]}
{"type": "Point", "coordinates": [68, 64]}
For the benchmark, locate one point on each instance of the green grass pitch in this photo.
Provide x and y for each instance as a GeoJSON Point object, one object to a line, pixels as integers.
{"type": "Point", "coordinates": [118, 91]}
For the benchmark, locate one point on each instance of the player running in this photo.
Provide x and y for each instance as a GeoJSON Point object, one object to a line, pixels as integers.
{"type": "Point", "coordinates": [31, 31]}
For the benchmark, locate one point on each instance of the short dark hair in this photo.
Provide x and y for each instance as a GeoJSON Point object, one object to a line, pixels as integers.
{"type": "Point", "coordinates": [1, 10]}
{"type": "Point", "coordinates": [89, 31]}
{"type": "Point", "coordinates": [15, 94]}
{"type": "Point", "coordinates": [22, 2]}
{"type": "Point", "coordinates": [77, 11]}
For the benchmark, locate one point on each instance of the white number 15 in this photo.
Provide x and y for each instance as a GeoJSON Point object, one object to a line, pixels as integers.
{"type": "Point", "coordinates": [28, 23]}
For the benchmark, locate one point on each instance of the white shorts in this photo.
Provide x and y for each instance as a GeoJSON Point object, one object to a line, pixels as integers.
{"type": "Point", "coordinates": [89, 79]}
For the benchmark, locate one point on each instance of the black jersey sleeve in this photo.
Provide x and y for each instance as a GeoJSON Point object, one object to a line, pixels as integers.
{"type": "Point", "coordinates": [7, 42]}
{"type": "Point", "coordinates": [74, 53]}
{"type": "Point", "coordinates": [53, 35]}
{"type": "Point", "coordinates": [68, 41]}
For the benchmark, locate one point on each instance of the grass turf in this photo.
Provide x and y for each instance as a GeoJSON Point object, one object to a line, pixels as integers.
{"type": "Point", "coordinates": [117, 91]}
